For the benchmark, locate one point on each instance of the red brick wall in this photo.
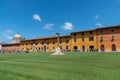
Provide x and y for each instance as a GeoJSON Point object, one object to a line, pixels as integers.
{"type": "Point", "coordinates": [11, 47]}
{"type": "Point", "coordinates": [107, 36]}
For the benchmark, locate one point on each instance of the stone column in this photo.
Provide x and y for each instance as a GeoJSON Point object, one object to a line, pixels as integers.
{"type": "Point", "coordinates": [58, 50]}
{"type": "Point", "coordinates": [58, 41]}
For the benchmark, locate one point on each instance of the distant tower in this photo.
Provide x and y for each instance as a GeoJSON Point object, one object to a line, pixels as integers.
{"type": "Point", "coordinates": [17, 38]}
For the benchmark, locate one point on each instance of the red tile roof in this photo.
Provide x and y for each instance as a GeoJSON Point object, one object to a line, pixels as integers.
{"type": "Point", "coordinates": [97, 28]}
{"type": "Point", "coordinates": [45, 37]}
{"type": "Point", "coordinates": [108, 27]}
{"type": "Point", "coordinates": [11, 44]}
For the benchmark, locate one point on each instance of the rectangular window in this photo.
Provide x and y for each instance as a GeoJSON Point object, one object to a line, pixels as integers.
{"type": "Point", "coordinates": [74, 34]}
{"type": "Point", "coordinates": [91, 32]}
{"type": "Point", "coordinates": [82, 38]}
{"type": "Point", "coordinates": [48, 43]}
{"type": "Point", "coordinates": [91, 38]}
{"type": "Point", "coordinates": [33, 42]}
{"type": "Point", "coordinates": [60, 38]}
{"type": "Point", "coordinates": [112, 38]}
{"type": "Point", "coordinates": [60, 42]}
{"type": "Point", "coordinates": [82, 33]}
{"type": "Point", "coordinates": [26, 44]}
{"type": "Point", "coordinates": [67, 41]}
{"type": "Point", "coordinates": [75, 40]}
{"type": "Point", "coordinates": [67, 47]}
{"type": "Point", "coordinates": [67, 38]}
{"type": "Point", "coordinates": [112, 30]}
{"type": "Point", "coordinates": [36, 43]}
{"type": "Point", "coordinates": [101, 31]}
{"type": "Point", "coordinates": [53, 42]}
{"type": "Point", "coordinates": [101, 39]}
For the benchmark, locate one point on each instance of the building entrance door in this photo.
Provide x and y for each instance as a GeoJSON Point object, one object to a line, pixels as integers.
{"type": "Point", "coordinates": [75, 48]}
{"type": "Point", "coordinates": [113, 47]}
{"type": "Point", "coordinates": [44, 48]}
{"type": "Point", "coordinates": [102, 48]}
{"type": "Point", "coordinates": [83, 48]}
{"type": "Point", "coordinates": [91, 48]}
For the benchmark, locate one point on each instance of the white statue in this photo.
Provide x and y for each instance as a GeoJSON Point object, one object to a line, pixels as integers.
{"type": "Point", "coordinates": [58, 51]}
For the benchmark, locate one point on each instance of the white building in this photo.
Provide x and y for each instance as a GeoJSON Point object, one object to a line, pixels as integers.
{"type": "Point", "coordinates": [0, 46]}
{"type": "Point", "coordinates": [17, 38]}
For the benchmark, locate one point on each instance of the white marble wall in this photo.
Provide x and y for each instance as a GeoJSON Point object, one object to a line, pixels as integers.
{"type": "Point", "coordinates": [0, 47]}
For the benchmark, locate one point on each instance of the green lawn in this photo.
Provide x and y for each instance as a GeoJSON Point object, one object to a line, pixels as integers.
{"type": "Point", "coordinates": [72, 66]}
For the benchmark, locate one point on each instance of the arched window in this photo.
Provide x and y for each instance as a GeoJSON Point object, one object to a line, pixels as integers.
{"type": "Point", "coordinates": [75, 48]}
{"type": "Point", "coordinates": [113, 47]}
{"type": "Point", "coordinates": [102, 47]}
{"type": "Point", "coordinates": [91, 48]}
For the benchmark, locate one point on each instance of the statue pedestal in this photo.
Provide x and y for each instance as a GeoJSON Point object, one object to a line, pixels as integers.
{"type": "Point", "coordinates": [58, 52]}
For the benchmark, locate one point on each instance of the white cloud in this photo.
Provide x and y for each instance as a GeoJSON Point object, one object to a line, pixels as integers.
{"type": "Point", "coordinates": [8, 34]}
{"type": "Point", "coordinates": [9, 37]}
{"type": "Point", "coordinates": [97, 17]}
{"type": "Point", "coordinates": [67, 26]}
{"type": "Point", "coordinates": [99, 25]}
{"type": "Point", "coordinates": [8, 31]}
{"type": "Point", "coordinates": [48, 26]}
{"type": "Point", "coordinates": [37, 17]}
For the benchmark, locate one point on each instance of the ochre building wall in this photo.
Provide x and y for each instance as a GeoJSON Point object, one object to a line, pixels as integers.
{"type": "Point", "coordinates": [74, 41]}
{"type": "Point", "coordinates": [87, 43]}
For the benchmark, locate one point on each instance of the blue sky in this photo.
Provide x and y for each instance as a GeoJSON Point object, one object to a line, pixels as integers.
{"type": "Point", "coordinates": [34, 18]}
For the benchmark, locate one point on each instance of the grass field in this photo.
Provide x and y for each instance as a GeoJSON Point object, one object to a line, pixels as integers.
{"type": "Point", "coordinates": [72, 66]}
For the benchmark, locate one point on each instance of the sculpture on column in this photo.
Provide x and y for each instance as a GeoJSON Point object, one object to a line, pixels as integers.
{"type": "Point", "coordinates": [58, 50]}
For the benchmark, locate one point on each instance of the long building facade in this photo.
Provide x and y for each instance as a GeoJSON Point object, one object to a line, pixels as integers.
{"type": "Point", "coordinates": [100, 39]}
